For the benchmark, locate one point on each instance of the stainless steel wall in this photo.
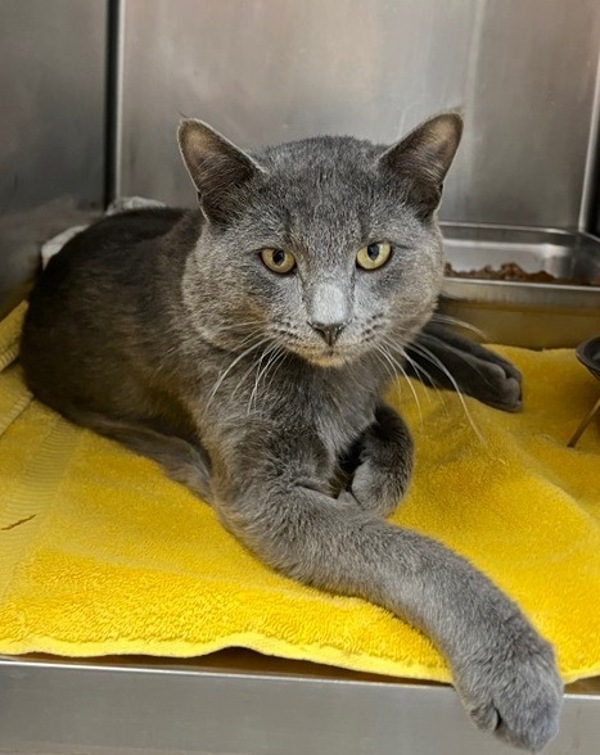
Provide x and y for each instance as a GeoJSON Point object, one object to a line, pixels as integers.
{"type": "Point", "coordinates": [523, 70]}
{"type": "Point", "coordinates": [52, 95]}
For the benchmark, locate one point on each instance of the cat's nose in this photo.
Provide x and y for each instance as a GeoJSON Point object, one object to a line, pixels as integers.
{"type": "Point", "coordinates": [329, 331]}
{"type": "Point", "coordinates": [328, 309]}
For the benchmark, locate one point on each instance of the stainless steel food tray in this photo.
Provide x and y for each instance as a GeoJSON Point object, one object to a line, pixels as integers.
{"type": "Point", "coordinates": [536, 315]}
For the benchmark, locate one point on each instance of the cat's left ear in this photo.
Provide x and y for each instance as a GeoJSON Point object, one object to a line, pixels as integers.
{"type": "Point", "coordinates": [423, 158]}
{"type": "Point", "coordinates": [216, 166]}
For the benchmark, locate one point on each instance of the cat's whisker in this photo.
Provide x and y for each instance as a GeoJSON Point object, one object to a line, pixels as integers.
{"type": "Point", "coordinates": [256, 362]}
{"type": "Point", "coordinates": [281, 358]}
{"type": "Point", "coordinates": [270, 354]}
{"type": "Point", "coordinates": [395, 347]}
{"type": "Point", "coordinates": [247, 339]}
{"type": "Point", "coordinates": [240, 333]}
{"type": "Point", "coordinates": [252, 370]}
{"type": "Point", "coordinates": [410, 343]}
{"type": "Point", "coordinates": [439, 392]}
{"type": "Point", "coordinates": [427, 354]}
{"type": "Point", "coordinates": [255, 367]}
{"type": "Point", "coordinates": [235, 361]}
{"type": "Point", "coordinates": [420, 371]}
{"type": "Point", "coordinates": [384, 363]}
{"type": "Point", "coordinates": [242, 380]}
{"type": "Point", "coordinates": [396, 368]}
{"type": "Point", "coordinates": [472, 363]}
{"type": "Point", "coordinates": [444, 319]}
{"type": "Point", "coordinates": [239, 325]}
{"type": "Point", "coordinates": [398, 365]}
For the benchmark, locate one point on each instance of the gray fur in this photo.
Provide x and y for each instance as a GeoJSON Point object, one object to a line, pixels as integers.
{"type": "Point", "coordinates": [164, 330]}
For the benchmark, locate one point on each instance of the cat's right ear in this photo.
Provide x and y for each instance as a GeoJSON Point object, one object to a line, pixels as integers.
{"type": "Point", "coordinates": [216, 166]}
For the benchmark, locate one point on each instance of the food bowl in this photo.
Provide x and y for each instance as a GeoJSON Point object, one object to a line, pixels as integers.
{"type": "Point", "coordinates": [588, 354]}
{"type": "Point", "coordinates": [531, 314]}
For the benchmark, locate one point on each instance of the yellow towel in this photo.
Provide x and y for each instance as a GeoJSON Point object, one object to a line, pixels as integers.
{"type": "Point", "coordinates": [101, 554]}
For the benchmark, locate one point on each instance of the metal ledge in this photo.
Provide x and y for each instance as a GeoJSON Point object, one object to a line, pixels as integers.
{"type": "Point", "coordinates": [240, 703]}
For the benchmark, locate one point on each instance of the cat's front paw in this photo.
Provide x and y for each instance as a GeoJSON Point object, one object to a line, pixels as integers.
{"type": "Point", "coordinates": [513, 690]}
{"type": "Point", "coordinates": [378, 490]}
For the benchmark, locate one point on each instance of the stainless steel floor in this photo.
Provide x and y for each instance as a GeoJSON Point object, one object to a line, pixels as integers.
{"type": "Point", "coordinates": [239, 703]}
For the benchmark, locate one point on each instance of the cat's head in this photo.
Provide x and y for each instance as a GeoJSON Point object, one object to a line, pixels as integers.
{"type": "Point", "coordinates": [328, 247]}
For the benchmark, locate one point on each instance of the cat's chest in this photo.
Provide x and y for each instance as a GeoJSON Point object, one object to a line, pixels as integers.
{"type": "Point", "coordinates": [298, 405]}
{"type": "Point", "coordinates": [337, 411]}
{"type": "Point", "coordinates": [338, 431]}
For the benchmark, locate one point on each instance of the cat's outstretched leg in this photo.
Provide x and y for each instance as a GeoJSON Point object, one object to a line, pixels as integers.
{"type": "Point", "coordinates": [505, 673]}
{"type": "Point", "coordinates": [437, 353]}
{"type": "Point", "coordinates": [183, 462]}
{"type": "Point", "coordinates": [379, 464]}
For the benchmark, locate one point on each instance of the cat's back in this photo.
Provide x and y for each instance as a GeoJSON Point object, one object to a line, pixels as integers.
{"type": "Point", "coordinates": [96, 301]}
{"type": "Point", "coordinates": [108, 248]}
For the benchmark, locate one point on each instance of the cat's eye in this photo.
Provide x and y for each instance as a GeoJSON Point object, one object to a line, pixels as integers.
{"type": "Point", "coordinates": [373, 256]}
{"type": "Point", "coordinates": [278, 260]}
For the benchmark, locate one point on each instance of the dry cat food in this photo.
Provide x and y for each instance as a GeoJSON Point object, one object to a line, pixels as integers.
{"type": "Point", "coordinates": [510, 271]}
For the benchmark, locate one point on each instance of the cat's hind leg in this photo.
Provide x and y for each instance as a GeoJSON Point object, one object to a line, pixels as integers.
{"type": "Point", "coordinates": [183, 461]}
{"type": "Point", "coordinates": [441, 358]}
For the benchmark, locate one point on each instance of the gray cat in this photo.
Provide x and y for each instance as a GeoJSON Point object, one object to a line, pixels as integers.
{"type": "Point", "coordinates": [245, 346]}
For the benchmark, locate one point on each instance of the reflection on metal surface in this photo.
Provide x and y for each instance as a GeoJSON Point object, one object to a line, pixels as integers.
{"type": "Point", "coordinates": [536, 315]}
{"type": "Point", "coordinates": [52, 72]}
{"type": "Point", "coordinates": [226, 704]}
{"type": "Point", "coordinates": [523, 72]}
